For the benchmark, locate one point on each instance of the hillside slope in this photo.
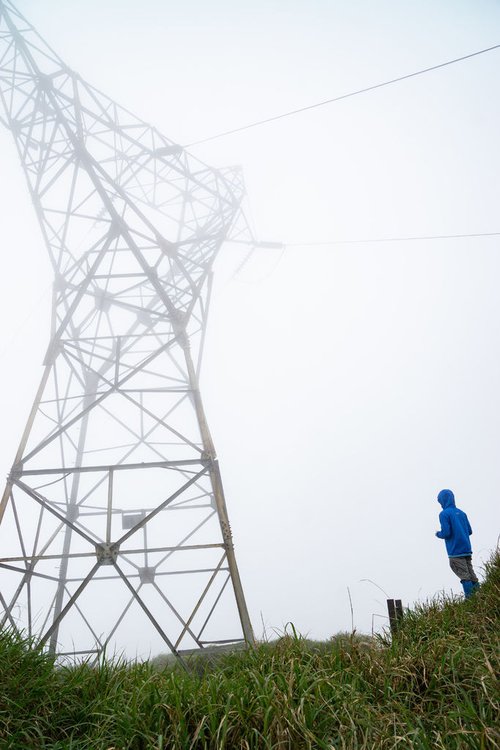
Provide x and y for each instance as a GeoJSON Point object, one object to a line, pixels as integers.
{"type": "Point", "coordinates": [435, 686]}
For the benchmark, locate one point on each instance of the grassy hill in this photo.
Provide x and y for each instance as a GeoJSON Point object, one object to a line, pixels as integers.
{"type": "Point", "coordinates": [434, 687]}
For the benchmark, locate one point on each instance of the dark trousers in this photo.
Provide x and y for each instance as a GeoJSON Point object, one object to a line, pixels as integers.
{"type": "Point", "coordinates": [462, 567]}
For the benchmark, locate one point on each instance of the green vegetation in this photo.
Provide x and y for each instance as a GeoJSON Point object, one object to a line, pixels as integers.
{"type": "Point", "coordinates": [435, 686]}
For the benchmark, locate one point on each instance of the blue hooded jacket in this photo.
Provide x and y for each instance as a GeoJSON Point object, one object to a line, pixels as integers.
{"type": "Point", "coordinates": [455, 526]}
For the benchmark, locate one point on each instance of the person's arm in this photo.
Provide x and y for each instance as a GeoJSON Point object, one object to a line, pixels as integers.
{"type": "Point", "coordinates": [469, 527]}
{"type": "Point", "coordinates": [445, 532]}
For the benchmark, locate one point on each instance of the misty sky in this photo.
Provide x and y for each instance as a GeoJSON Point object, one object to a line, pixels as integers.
{"type": "Point", "coordinates": [346, 384]}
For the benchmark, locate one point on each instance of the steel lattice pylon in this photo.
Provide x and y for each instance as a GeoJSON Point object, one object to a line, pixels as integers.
{"type": "Point", "coordinates": [114, 506]}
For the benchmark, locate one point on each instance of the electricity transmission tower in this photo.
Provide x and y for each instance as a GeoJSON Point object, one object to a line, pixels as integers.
{"type": "Point", "coordinates": [113, 524]}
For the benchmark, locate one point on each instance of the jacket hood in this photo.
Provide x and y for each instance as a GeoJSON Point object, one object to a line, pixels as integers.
{"type": "Point", "coordinates": [446, 499]}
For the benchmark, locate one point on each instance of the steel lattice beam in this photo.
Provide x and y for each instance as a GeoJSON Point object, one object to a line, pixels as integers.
{"type": "Point", "coordinates": [114, 506]}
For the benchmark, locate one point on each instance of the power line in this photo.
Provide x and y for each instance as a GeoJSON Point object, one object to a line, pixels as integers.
{"type": "Point", "coordinates": [264, 245]}
{"type": "Point", "coordinates": [343, 96]}
{"type": "Point", "coordinates": [391, 239]}
{"type": "Point", "coordinates": [255, 245]}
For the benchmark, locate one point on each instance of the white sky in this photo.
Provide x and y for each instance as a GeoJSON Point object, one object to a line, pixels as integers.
{"type": "Point", "coordinates": [345, 385]}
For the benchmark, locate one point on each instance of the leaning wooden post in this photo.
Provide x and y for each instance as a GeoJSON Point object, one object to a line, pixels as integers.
{"type": "Point", "coordinates": [395, 610]}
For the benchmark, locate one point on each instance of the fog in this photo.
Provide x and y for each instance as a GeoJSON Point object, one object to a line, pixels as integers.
{"type": "Point", "coordinates": [345, 384]}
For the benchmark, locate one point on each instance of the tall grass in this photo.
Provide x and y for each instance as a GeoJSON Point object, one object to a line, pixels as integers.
{"type": "Point", "coordinates": [433, 686]}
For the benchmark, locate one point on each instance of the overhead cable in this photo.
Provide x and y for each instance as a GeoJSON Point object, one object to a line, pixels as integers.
{"type": "Point", "coordinates": [255, 245]}
{"type": "Point", "coordinates": [418, 238]}
{"type": "Point", "coordinates": [264, 245]}
{"type": "Point", "coordinates": [343, 96]}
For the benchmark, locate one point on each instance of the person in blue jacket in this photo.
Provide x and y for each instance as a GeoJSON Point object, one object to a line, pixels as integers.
{"type": "Point", "coordinates": [456, 531]}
